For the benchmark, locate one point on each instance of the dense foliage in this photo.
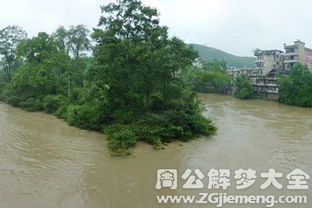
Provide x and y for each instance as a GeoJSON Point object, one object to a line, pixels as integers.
{"type": "Point", "coordinates": [10, 37]}
{"type": "Point", "coordinates": [208, 77]}
{"type": "Point", "coordinates": [130, 87]}
{"type": "Point", "coordinates": [296, 88]}
{"type": "Point", "coordinates": [243, 88]}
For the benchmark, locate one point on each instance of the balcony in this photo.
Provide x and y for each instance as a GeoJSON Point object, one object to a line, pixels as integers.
{"type": "Point", "coordinates": [295, 60]}
{"type": "Point", "coordinates": [271, 85]}
{"type": "Point", "coordinates": [259, 61]}
{"type": "Point", "coordinates": [258, 68]}
{"type": "Point", "coordinates": [271, 78]}
{"type": "Point", "coordinates": [291, 54]}
{"type": "Point", "coordinates": [273, 91]}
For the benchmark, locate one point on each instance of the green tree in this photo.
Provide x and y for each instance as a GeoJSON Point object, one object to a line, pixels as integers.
{"type": "Point", "coordinates": [296, 88]}
{"type": "Point", "coordinates": [243, 88]}
{"type": "Point", "coordinates": [41, 74]}
{"type": "Point", "coordinates": [207, 78]}
{"type": "Point", "coordinates": [10, 37]}
{"type": "Point", "coordinates": [62, 36]}
{"type": "Point", "coordinates": [78, 40]}
{"type": "Point", "coordinates": [137, 75]}
{"type": "Point", "coordinates": [131, 88]}
{"type": "Point", "coordinates": [136, 57]}
{"type": "Point", "coordinates": [74, 41]}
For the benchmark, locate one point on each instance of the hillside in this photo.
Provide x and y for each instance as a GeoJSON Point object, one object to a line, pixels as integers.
{"type": "Point", "coordinates": [211, 54]}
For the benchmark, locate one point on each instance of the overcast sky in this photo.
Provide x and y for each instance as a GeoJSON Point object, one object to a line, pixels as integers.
{"type": "Point", "coordinates": [235, 26]}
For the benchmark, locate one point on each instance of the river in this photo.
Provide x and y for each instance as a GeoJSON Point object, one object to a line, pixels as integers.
{"type": "Point", "coordinates": [46, 163]}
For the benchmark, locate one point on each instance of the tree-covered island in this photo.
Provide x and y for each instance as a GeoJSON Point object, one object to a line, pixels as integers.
{"type": "Point", "coordinates": [130, 87]}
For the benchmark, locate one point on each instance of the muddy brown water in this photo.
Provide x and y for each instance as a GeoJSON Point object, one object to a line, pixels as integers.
{"type": "Point", "coordinates": [46, 163]}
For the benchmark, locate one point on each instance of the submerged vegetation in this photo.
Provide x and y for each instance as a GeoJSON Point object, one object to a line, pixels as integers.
{"type": "Point", "coordinates": [243, 88]}
{"type": "Point", "coordinates": [296, 88]}
{"type": "Point", "coordinates": [131, 86]}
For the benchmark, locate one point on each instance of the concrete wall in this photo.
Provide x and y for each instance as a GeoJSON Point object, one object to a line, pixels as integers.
{"type": "Point", "coordinates": [268, 64]}
{"type": "Point", "coordinates": [269, 60]}
{"type": "Point", "coordinates": [308, 58]}
{"type": "Point", "coordinates": [301, 52]}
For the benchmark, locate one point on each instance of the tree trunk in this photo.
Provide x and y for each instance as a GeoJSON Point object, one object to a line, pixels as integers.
{"type": "Point", "coordinates": [8, 72]}
{"type": "Point", "coordinates": [69, 81]}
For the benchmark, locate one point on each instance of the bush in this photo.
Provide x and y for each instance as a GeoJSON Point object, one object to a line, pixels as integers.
{"type": "Point", "coordinates": [200, 125]}
{"type": "Point", "coordinates": [296, 88]}
{"type": "Point", "coordinates": [61, 112]}
{"type": "Point", "coordinates": [12, 100]}
{"type": "Point", "coordinates": [75, 116]}
{"type": "Point", "coordinates": [2, 90]}
{"type": "Point", "coordinates": [121, 139]}
{"type": "Point", "coordinates": [158, 129]}
{"type": "Point", "coordinates": [31, 104]}
{"type": "Point", "coordinates": [243, 87]}
{"type": "Point", "coordinates": [85, 116]}
{"type": "Point", "coordinates": [203, 79]}
{"type": "Point", "coordinates": [52, 103]}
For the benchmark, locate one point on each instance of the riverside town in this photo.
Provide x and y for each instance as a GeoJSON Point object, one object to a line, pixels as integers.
{"type": "Point", "coordinates": [272, 63]}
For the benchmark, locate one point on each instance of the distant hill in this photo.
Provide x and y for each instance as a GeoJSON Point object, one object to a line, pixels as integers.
{"type": "Point", "coordinates": [211, 54]}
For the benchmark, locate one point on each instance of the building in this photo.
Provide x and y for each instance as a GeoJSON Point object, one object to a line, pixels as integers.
{"type": "Point", "coordinates": [265, 85]}
{"type": "Point", "coordinates": [297, 53]}
{"type": "Point", "coordinates": [272, 63]}
{"type": "Point", "coordinates": [268, 60]}
{"type": "Point", "coordinates": [264, 80]}
{"type": "Point", "coordinates": [237, 71]}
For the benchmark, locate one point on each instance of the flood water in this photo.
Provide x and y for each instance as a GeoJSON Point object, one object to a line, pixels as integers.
{"type": "Point", "coordinates": [46, 163]}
